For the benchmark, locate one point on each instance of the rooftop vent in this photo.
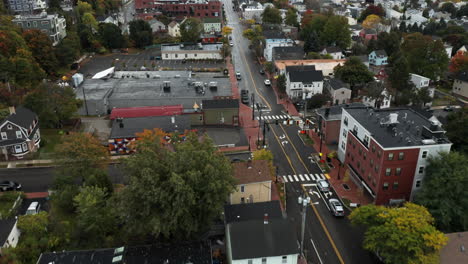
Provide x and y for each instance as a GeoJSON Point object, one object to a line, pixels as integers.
{"type": "Point", "coordinates": [428, 141]}
{"type": "Point", "coordinates": [167, 86]}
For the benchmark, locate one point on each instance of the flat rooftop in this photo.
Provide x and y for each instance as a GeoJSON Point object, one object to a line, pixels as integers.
{"type": "Point", "coordinates": [410, 129]}
{"type": "Point", "coordinates": [178, 47]}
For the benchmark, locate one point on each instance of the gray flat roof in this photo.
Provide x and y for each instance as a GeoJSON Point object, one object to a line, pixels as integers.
{"type": "Point", "coordinates": [177, 47]}
{"type": "Point", "coordinates": [139, 124]}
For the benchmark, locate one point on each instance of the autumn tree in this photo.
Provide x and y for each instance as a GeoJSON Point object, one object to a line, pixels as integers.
{"type": "Point", "coordinates": [190, 30]}
{"type": "Point", "coordinates": [443, 191]}
{"type": "Point", "coordinates": [176, 190]}
{"type": "Point", "coordinates": [459, 63]}
{"type": "Point", "coordinates": [371, 10]}
{"type": "Point", "coordinates": [141, 33]}
{"type": "Point", "coordinates": [336, 32]}
{"type": "Point", "coordinates": [400, 235]}
{"type": "Point", "coordinates": [89, 21]}
{"type": "Point", "coordinates": [255, 35]}
{"type": "Point", "coordinates": [42, 50]}
{"type": "Point", "coordinates": [281, 82]}
{"type": "Point", "coordinates": [371, 21]}
{"type": "Point", "coordinates": [271, 15]}
{"type": "Point", "coordinates": [226, 31]}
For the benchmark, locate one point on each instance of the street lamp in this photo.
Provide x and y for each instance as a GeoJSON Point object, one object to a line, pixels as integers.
{"type": "Point", "coordinates": [304, 201]}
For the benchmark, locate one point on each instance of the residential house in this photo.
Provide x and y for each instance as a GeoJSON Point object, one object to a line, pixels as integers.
{"type": "Point", "coordinates": [338, 90]}
{"type": "Point", "coordinates": [252, 10]}
{"type": "Point", "coordinates": [367, 34]}
{"type": "Point", "coordinates": [302, 82]}
{"type": "Point", "coordinates": [9, 233]}
{"type": "Point", "coordinates": [324, 65]}
{"type": "Point", "coordinates": [448, 50]}
{"type": "Point", "coordinates": [463, 49]}
{"type": "Point", "coordinates": [19, 133]}
{"type": "Point", "coordinates": [173, 29]}
{"type": "Point", "coordinates": [442, 15]}
{"type": "Point", "coordinates": [26, 6]}
{"type": "Point", "coordinates": [252, 211]}
{"type": "Point", "coordinates": [274, 39]}
{"type": "Point", "coordinates": [107, 19]}
{"type": "Point", "coordinates": [386, 151]}
{"type": "Point", "coordinates": [384, 101]}
{"type": "Point", "coordinates": [179, 9]}
{"type": "Point", "coordinates": [220, 112]}
{"type": "Point", "coordinates": [333, 51]}
{"type": "Point", "coordinates": [415, 16]}
{"type": "Point", "coordinates": [199, 51]}
{"type": "Point", "coordinates": [422, 82]}
{"type": "Point", "coordinates": [355, 31]}
{"type": "Point", "coordinates": [364, 59]}
{"type": "Point", "coordinates": [455, 249]}
{"type": "Point", "coordinates": [288, 53]}
{"type": "Point", "coordinates": [212, 25]}
{"type": "Point", "coordinates": [378, 58]}
{"type": "Point", "coordinates": [157, 26]}
{"type": "Point", "coordinates": [52, 25]}
{"type": "Point", "coordinates": [253, 182]}
{"type": "Point", "coordinates": [460, 85]}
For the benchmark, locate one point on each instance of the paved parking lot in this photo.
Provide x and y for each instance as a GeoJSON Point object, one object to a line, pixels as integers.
{"type": "Point", "coordinates": [137, 61]}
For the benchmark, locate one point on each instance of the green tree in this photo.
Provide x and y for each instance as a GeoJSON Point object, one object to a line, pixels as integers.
{"type": "Point", "coordinates": [271, 15]}
{"type": "Point", "coordinates": [353, 72]}
{"type": "Point", "coordinates": [191, 30]}
{"type": "Point", "coordinates": [111, 36]}
{"type": "Point", "coordinates": [42, 50]}
{"type": "Point", "coordinates": [269, 67]}
{"type": "Point", "coordinates": [34, 237]}
{"type": "Point", "coordinates": [89, 21]}
{"type": "Point", "coordinates": [374, 90]}
{"type": "Point", "coordinates": [463, 11]}
{"type": "Point", "coordinates": [336, 32]}
{"type": "Point", "coordinates": [444, 191]}
{"type": "Point", "coordinates": [390, 42]}
{"type": "Point", "coordinates": [175, 193]}
{"type": "Point", "coordinates": [318, 100]}
{"type": "Point", "coordinates": [311, 41]}
{"type": "Point", "coordinates": [400, 235]}
{"type": "Point", "coordinates": [456, 132]}
{"type": "Point", "coordinates": [291, 17]}
{"type": "Point", "coordinates": [255, 35]}
{"type": "Point", "coordinates": [449, 8]}
{"type": "Point", "coordinates": [84, 7]}
{"type": "Point", "coordinates": [68, 50]}
{"type": "Point", "coordinates": [421, 96]}
{"type": "Point", "coordinates": [281, 82]}
{"type": "Point", "coordinates": [399, 73]}
{"type": "Point", "coordinates": [141, 33]}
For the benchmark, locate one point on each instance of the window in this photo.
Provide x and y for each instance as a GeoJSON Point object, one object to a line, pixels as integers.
{"type": "Point", "coordinates": [343, 145]}
{"type": "Point", "coordinates": [344, 133]}
{"type": "Point", "coordinates": [186, 55]}
{"type": "Point", "coordinates": [346, 121]}
{"type": "Point", "coordinates": [264, 260]}
{"type": "Point", "coordinates": [372, 163]}
{"type": "Point", "coordinates": [373, 182]}
{"type": "Point", "coordinates": [390, 156]}
{"type": "Point", "coordinates": [401, 156]}
{"type": "Point", "coordinates": [354, 145]}
{"type": "Point", "coordinates": [25, 146]}
{"type": "Point", "coordinates": [418, 184]}
{"type": "Point", "coordinates": [176, 55]}
{"type": "Point", "coordinates": [355, 129]}
{"type": "Point", "coordinates": [167, 56]}
{"type": "Point", "coordinates": [398, 171]}
{"type": "Point", "coordinates": [250, 261]}
{"type": "Point", "coordinates": [366, 140]}
{"type": "Point", "coordinates": [18, 134]}
{"type": "Point", "coordinates": [18, 149]}
{"type": "Point", "coordinates": [395, 185]}
{"type": "Point", "coordinates": [284, 259]}
{"type": "Point", "coordinates": [359, 164]}
{"type": "Point", "coordinates": [373, 148]}
{"type": "Point", "coordinates": [242, 188]}
{"type": "Point", "coordinates": [369, 176]}
{"type": "Point", "coordinates": [376, 168]}
{"type": "Point", "coordinates": [379, 153]}
{"type": "Point", "coordinates": [424, 154]}
{"type": "Point", "coordinates": [421, 169]}
{"type": "Point", "coordinates": [385, 186]}
{"type": "Point", "coordinates": [9, 127]}
{"type": "Point", "coordinates": [360, 151]}
{"type": "Point", "coordinates": [388, 171]}
{"type": "Point", "coordinates": [242, 200]}
{"type": "Point", "coordinates": [365, 156]}
{"type": "Point", "coordinates": [4, 135]}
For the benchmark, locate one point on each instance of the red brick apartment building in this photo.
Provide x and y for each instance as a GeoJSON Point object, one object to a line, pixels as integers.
{"type": "Point", "coordinates": [179, 8]}
{"type": "Point", "coordinates": [386, 151]}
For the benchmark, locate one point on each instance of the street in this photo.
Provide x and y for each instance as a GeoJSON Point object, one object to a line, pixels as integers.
{"type": "Point", "coordinates": [327, 239]}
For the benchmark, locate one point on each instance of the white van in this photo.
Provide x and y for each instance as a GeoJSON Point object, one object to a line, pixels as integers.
{"type": "Point", "coordinates": [33, 208]}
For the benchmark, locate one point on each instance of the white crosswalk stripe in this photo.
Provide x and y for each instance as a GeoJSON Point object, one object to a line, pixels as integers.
{"type": "Point", "coordinates": [307, 177]}
{"type": "Point", "coordinates": [273, 117]}
{"type": "Point", "coordinates": [300, 176]}
{"type": "Point", "coordinates": [303, 177]}
{"type": "Point", "coordinates": [295, 177]}
{"type": "Point", "coordinates": [290, 178]}
{"type": "Point", "coordinates": [319, 176]}
{"type": "Point", "coordinates": [312, 177]}
{"type": "Point", "coordinates": [285, 179]}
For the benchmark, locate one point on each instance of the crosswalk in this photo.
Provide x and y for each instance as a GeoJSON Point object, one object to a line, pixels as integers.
{"type": "Point", "coordinates": [273, 117]}
{"type": "Point", "coordinates": [303, 177]}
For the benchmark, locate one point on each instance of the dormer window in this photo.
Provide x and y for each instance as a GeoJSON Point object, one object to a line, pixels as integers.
{"type": "Point", "coordinates": [19, 134]}
{"type": "Point", "coordinates": [4, 136]}
{"type": "Point", "coordinates": [9, 127]}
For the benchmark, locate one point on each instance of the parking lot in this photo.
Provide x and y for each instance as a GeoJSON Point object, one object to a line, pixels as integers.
{"type": "Point", "coordinates": [144, 59]}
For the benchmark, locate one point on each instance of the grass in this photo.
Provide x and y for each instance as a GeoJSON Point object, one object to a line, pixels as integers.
{"type": "Point", "coordinates": [7, 201]}
{"type": "Point", "coordinates": [50, 138]}
{"type": "Point", "coordinates": [307, 140]}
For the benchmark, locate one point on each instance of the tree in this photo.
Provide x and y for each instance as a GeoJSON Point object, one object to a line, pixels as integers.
{"type": "Point", "coordinates": [400, 235]}
{"type": "Point", "coordinates": [312, 5]}
{"type": "Point", "coordinates": [255, 35]}
{"type": "Point", "coordinates": [375, 91]}
{"type": "Point", "coordinates": [281, 82]}
{"type": "Point", "coordinates": [271, 15]}
{"type": "Point", "coordinates": [449, 8]}
{"type": "Point", "coordinates": [371, 10]}
{"type": "Point", "coordinates": [269, 67]}
{"type": "Point", "coordinates": [42, 50]}
{"type": "Point", "coordinates": [263, 154]}
{"type": "Point", "coordinates": [463, 11]}
{"type": "Point", "coordinates": [443, 191]}
{"type": "Point", "coordinates": [141, 33]}
{"type": "Point", "coordinates": [459, 63]}
{"type": "Point", "coordinates": [399, 72]}
{"type": "Point", "coordinates": [421, 96]}
{"type": "Point", "coordinates": [311, 41]}
{"type": "Point", "coordinates": [111, 36]}
{"type": "Point", "coordinates": [34, 238]}
{"type": "Point", "coordinates": [226, 31]}
{"type": "Point", "coordinates": [68, 50]}
{"type": "Point", "coordinates": [336, 32]}
{"type": "Point", "coordinates": [371, 21]}
{"type": "Point", "coordinates": [175, 188]}
{"type": "Point", "coordinates": [318, 100]}
{"type": "Point", "coordinates": [84, 7]}
{"type": "Point", "coordinates": [359, 49]}
{"type": "Point", "coordinates": [456, 132]}
{"type": "Point", "coordinates": [353, 72]}
{"type": "Point", "coordinates": [190, 30]}
{"type": "Point", "coordinates": [89, 21]}
{"type": "Point", "coordinates": [291, 18]}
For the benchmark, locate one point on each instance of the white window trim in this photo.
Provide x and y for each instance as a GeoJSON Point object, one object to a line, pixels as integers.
{"type": "Point", "coordinates": [19, 134]}
{"type": "Point", "coordinates": [4, 136]}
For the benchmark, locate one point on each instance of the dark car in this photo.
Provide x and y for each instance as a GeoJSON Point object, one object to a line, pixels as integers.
{"type": "Point", "coordinates": [151, 58]}
{"type": "Point", "coordinates": [448, 108]}
{"type": "Point", "coordinates": [245, 96]}
{"type": "Point", "coordinates": [262, 71]}
{"type": "Point", "coordinates": [9, 186]}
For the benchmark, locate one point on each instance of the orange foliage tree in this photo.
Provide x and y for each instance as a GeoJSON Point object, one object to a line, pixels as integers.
{"type": "Point", "coordinates": [459, 62]}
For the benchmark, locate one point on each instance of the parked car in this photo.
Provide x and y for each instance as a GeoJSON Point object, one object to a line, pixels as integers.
{"type": "Point", "coordinates": [323, 185]}
{"type": "Point", "coordinates": [267, 82]}
{"type": "Point", "coordinates": [231, 44]}
{"type": "Point", "coordinates": [158, 58]}
{"type": "Point", "coordinates": [335, 207]}
{"type": "Point", "coordinates": [448, 108]}
{"type": "Point", "coordinates": [10, 186]}
{"type": "Point", "coordinates": [245, 96]}
{"type": "Point", "coordinates": [238, 76]}
{"type": "Point", "coordinates": [151, 58]}
{"type": "Point", "coordinates": [262, 71]}
{"type": "Point", "coordinates": [33, 208]}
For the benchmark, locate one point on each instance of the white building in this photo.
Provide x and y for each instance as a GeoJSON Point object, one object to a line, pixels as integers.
{"type": "Point", "coordinates": [212, 25]}
{"type": "Point", "coordinates": [253, 10]}
{"type": "Point", "coordinates": [422, 82]}
{"type": "Point", "coordinates": [335, 52]}
{"type": "Point", "coordinates": [275, 39]}
{"type": "Point", "coordinates": [173, 29]}
{"type": "Point", "coordinates": [206, 51]}
{"type": "Point", "coordinates": [19, 6]}
{"type": "Point", "coordinates": [302, 82]}
{"type": "Point", "coordinates": [386, 99]}
{"type": "Point", "coordinates": [9, 233]}
{"type": "Point", "coordinates": [326, 65]}
{"type": "Point", "coordinates": [52, 25]}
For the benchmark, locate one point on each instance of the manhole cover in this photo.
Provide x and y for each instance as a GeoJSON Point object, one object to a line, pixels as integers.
{"type": "Point", "coordinates": [346, 186]}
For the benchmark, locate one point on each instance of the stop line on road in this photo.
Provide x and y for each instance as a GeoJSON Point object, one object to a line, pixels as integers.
{"type": "Point", "coordinates": [303, 177]}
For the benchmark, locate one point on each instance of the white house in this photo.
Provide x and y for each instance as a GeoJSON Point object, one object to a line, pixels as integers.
{"type": "Point", "coordinates": [275, 39]}
{"type": "Point", "coordinates": [448, 50]}
{"type": "Point", "coordinates": [253, 10]}
{"type": "Point", "coordinates": [335, 52]}
{"type": "Point", "coordinates": [157, 26]}
{"type": "Point", "coordinates": [387, 98]}
{"type": "Point", "coordinates": [339, 91]}
{"type": "Point", "coordinates": [211, 25]}
{"type": "Point", "coordinates": [302, 82]}
{"type": "Point", "coordinates": [422, 82]}
{"type": "Point", "coordinates": [9, 233]}
{"type": "Point", "coordinates": [173, 29]}
{"type": "Point", "coordinates": [205, 51]}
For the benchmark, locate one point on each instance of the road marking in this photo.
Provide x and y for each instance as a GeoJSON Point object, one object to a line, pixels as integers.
{"type": "Point", "coordinates": [312, 177]}
{"type": "Point", "coordinates": [307, 177]}
{"type": "Point", "coordinates": [295, 177]}
{"type": "Point", "coordinates": [316, 252]}
{"type": "Point", "coordinates": [290, 178]}
{"type": "Point", "coordinates": [284, 142]}
{"type": "Point", "coordinates": [309, 184]}
{"type": "Point", "coordinates": [320, 176]}
{"type": "Point", "coordinates": [300, 176]}
{"type": "Point", "coordinates": [285, 179]}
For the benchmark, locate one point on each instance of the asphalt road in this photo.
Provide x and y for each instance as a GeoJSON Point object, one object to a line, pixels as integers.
{"type": "Point", "coordinates": [327, 239]}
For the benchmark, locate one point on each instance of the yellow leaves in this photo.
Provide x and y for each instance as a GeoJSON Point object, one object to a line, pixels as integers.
{"type": "Point", "coordinates": [435, 240]}
{"type": "Point", "coordinates": [371, 21]}
{"type": "Point", "coordinates": [227, 30]}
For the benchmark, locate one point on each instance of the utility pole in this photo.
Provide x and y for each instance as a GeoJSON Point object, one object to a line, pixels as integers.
{"type": "Point", "coordinates": [304, 202]}
{"type": "Point", "coordinates": [265, 125]}
{"type": "Point", "coordinates": [259, 123]}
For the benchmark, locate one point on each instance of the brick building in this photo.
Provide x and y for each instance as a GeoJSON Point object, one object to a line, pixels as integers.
{"type": "Point", "coordinates": [180, 8]}
{"type": "Point", "coordinates": [386, 151]}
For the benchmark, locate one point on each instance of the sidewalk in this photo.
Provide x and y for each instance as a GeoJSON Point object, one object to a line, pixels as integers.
{"type": "Point", "coordinates": [282, 99]}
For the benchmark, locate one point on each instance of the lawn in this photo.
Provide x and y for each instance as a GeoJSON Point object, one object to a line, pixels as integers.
{"type": "Point", "coordinates": [49, 139]}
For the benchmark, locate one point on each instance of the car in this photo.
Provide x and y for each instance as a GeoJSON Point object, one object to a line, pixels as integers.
{"type": "Point", "coordinates": [323, 185]}
{"type": "Point", "coordinates": [245, 96]}
{"type": "Point", "coordinates": [238, 76]}
{"type": "Point", "coordinates": [262, 71]}
{"type": "Point", "coordinates": [9, 186]}
{"type": "Point", "coordinates": [267, 82]}
{"type": "Point", "coordinates": [244, 92]}
{"type": "Point", "coordinates": [335, 207]}
{"type": "Point", "coordinates": [151, 57]}
{"type": "Point", "coordinates": [230, 38]}
{"type": "Point", "coordinates": [158, 58]}
{"type": "Point", "coordinates": [448, 108]}
{"type": "Point", "coordinates": [231, 44]}
{"type": "Point", "coordinates": [33, 208]}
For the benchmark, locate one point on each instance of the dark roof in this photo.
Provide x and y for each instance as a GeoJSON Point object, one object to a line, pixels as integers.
{"type": "Point", "coordinates": [220, 103]}
{"type": "Point", "coordinates": [380, 53]}
{"type": "Point", "coordinates": [197, 252]}
{"type": "Point", "coordinates": [462, 76]}
{"type": "Point", "coordinates": [409, 131]}
{"type": "Point", "coordinates": [363, 58]}
{"type": "Point", "coordinates": [304, 74]}
{"type": "Point", "coordinates": [288, 53]}
{"type": "Point", "coordinates": [336, 84]}
{"type": "Point", "coordinates": [370, 31]}
{"type": "Point", "coordinates": [332, 49]}
{"type": "Point", "coordinates": [273, 34]}
{"type": "Point", "coordinates": [334, 112]}
{"type": "Point", "coordinates": [252, 171]}
{"type": "Point", "coordinates": [255, 239]}
{"type": "Point", "coordinates": [139, 124]}
{"type": "Point", "coordinates": [6, 225]}
{"type": "Point", "coordinates": [252, 211]}
{"type": "Point", "coordinates": [23, 117]}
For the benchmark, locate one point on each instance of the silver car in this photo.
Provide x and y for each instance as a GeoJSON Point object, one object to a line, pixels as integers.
{"type": "Point", "coordinates": [335, 207]}
{"type": "Point", "coordinates": [323, 185]}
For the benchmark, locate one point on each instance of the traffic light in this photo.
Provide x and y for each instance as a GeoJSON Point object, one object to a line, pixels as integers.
{"type": "Point", "coordinates": [298, 122]}
{"type": "Point", "coordinates": [277, 121]}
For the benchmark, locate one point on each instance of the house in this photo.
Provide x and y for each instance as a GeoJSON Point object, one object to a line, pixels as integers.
{"type": "Point", "coordinates": [378, 58]}
{"type": "Point", "coordinates": [274, 39]}
{"type": "Point", "coordinates": [252, 10]}
{"type": "Point", "coordinates": [324, 65]}
{"type": "Point", "coordinates": [199, 51]}
{"type": "Point", "coordinates": [288, 53]}
{"type": "Point", "coordinates": [422, 82]}
{"type": "Point", "coordinates": [448, 50]}
{"type": "Point", "coordinates": [338, 90]}
{"type": "Point", "coordinates": [107, 19]}
{"type": "Point", "coordinates": [173, 29]}
{"type": "Point", "coordinates": [386, 98]}
{"type": "Point", "coordinates": [179, 9]}
{"type": "Point", "coordinates": [252, 211]}
{"type": "Point", "coordinates": [333, 51]}
{"type": "Point", "coordinates": [157, 26]}
{"type": "Point", "coordinates": [462, 49]}
{"type": "Point", "coordinates": [455, 250]}
{"type": "Point", "coordinates": [19, 133]}
{"type": "Point", "coordinates": [9, 233]}
{"type": "Point", "coordinates": [262, 241]}
{"type": "Point", "coordinates": [302, 82]}
{"type": "Point", "coordinates": [386, 151]}
{"type": "Point", "coordinates": [460, 84]}
{"type": "Point", "coordinates": [52, 25]}
{"type": "Point", "coordinates": [212, 25]}
{"type": "Point", "coordinates": [367, 34]}
{"type": "Point", "coordinates": [253, 182]}
{"type": "Point", "coordinates": [220, 112]}
{"type": "Point", "coordinates": [26, 6]}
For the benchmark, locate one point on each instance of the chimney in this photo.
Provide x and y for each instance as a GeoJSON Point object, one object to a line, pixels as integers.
{"type": "Point", "coordinates": [265, 219]}
{"type": "Point", "coordinates": [172, 119]}
{"type": "Point", "coordinates": [12, 110]}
